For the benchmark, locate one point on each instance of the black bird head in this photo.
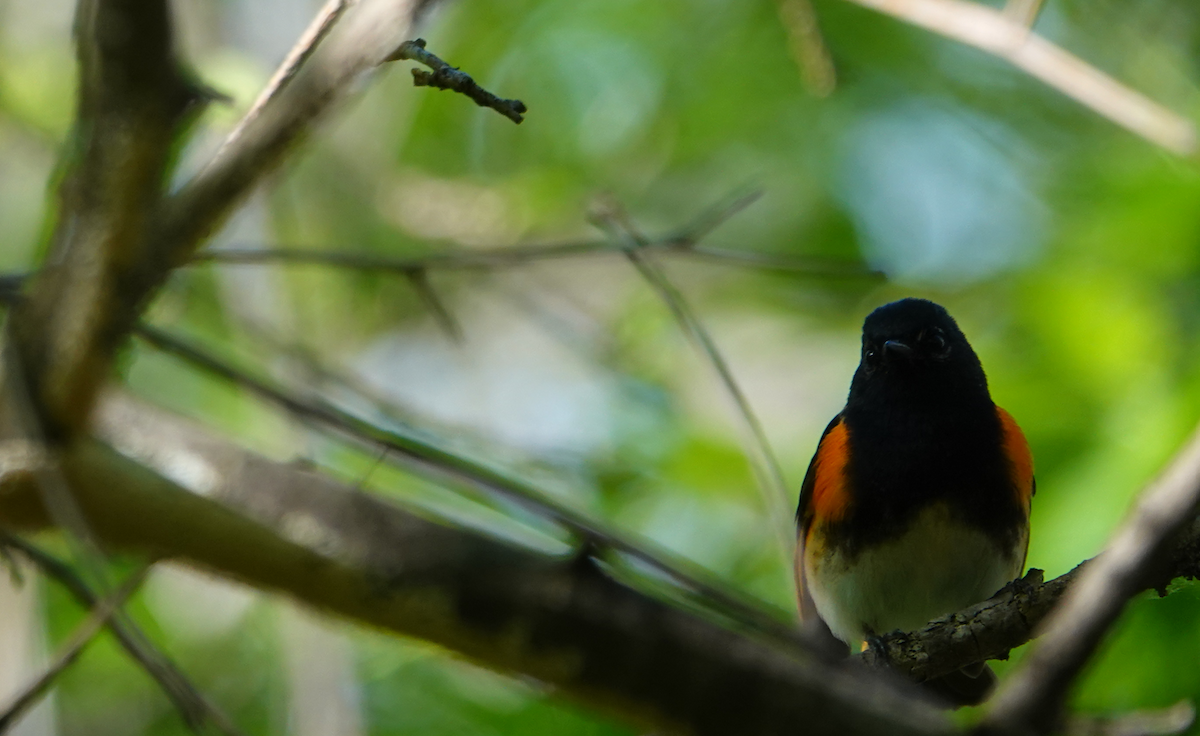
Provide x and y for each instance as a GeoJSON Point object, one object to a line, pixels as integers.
{"type": "Point", "coordinates": [914, 348]}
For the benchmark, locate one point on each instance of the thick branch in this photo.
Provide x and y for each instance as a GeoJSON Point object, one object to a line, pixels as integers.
{"type": "Point", "coordinates": [133, 101]}
{"type": "Point", "coordinates": [118, 239]}
{"type": "Point", "coordinates": [559, 619]}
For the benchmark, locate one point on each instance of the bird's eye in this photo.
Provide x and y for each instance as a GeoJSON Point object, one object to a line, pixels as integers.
{"type": "Point", "coordinates": [939, 347]}
{"type": "Point", "coordinates": [870, 358]}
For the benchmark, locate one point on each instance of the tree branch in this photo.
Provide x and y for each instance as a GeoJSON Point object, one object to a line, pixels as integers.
{"type": "Point", "coordinates": [560, 619]}
{"type": "Point", "coordinates": [1032, 698]}
{"type": "Point", "coordinates": [426, 458]}
{"type": "Point", "coordinates": [118, 237]}
{"type": "Point", "coordinates": [1014, 616]}
{"type": "Point", "coordinates": [765, 465]}
{"type": "Point", "coordinates": [364, 36]}
{"type": "Point", "coordinates": [194, 707]}
{"type": "Point", "coordinates": [685, 242]}
{"type": "Point", "coordinates": [83, 635]}
{"type": "Point", "coordinates": [445, 76]}
{"type": "Point", "coordinates": [1006, 35]}
{"type": "Point", "coordinates": [133, 101]}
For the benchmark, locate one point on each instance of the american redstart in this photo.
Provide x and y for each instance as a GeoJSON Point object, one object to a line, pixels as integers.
{"type": "Point", "coordinates": [916, 503]}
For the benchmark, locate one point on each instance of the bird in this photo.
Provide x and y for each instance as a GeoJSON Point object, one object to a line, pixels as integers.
{"type": "Point", "coordinates": [916, 502]}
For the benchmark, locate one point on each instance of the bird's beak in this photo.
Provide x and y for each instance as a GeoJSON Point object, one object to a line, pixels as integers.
{"type": "Point", "coordinates": [897, 348]}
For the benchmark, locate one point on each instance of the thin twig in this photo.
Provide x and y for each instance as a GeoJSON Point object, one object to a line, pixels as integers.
{"type": "Point", "coordinates": [419, 278]}
{"type": "Point", "coordinates": [1031, 699]}
{"type": "Point", "coordinates": [445, 76]}
{"type": "Point", "coordinates": [186, 697]}
{"type": "Point", "coordinates": [63, 508]}
{"type": "Point", "coordinates": [993, 31]}
{"type": "Point", "coordinates": [432, 460]}
{"type": "Point", "coordinates": [685, 242]}
{"type": "Point", "coordinates": [304, 47]}
{"type": "Point", "coordinates": [484, 260]}
{"type": "Point", "coordinates": [766, 467]}
{"type": "Point", "coordinates": [70, 651]}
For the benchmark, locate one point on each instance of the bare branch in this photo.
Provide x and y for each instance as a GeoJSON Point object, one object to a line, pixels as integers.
{"type": "Point", "coordinates": [1032, 698]}
{"type": "Point", "coordinates": [445, 76]}
{"type": "Point", "coordinates": [70, 651]}
{"type": "Point", "coordinates": [435, 462]}
{"type": "Point", "coordinates": [134, 99]}
{"type": "Point", "coordinates": [321, 71]}
{"type": "Point", "coordinates": [419, 278]}
{"type": "Point", "coordinates": [558, 618]}
{"type": "Point", "coordinates": [769, 474]}
{"type": "Point", "coordinates": [304, 47]}
{"type": "Point", "coordinates": [187, 698]}
{"type": "Point", "coordinates": [684, 242]}
{"type": "Point", "coordinates": [996, 33]}
{"type": "Point", "coordinates": [509, 257]}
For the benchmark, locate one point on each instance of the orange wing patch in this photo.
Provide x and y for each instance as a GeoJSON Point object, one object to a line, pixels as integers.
{"type": "Point", "coordinates": [831, 497]}
{"type": "Point", "coordinates": [1019, 457]}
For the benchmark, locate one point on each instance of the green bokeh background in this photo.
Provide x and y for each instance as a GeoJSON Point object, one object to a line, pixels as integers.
{"type": "Point", "coordinates": [1068, 249]}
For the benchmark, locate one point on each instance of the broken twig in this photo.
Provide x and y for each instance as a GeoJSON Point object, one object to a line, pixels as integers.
{"type": "Point", "coordinates": [445, 76]}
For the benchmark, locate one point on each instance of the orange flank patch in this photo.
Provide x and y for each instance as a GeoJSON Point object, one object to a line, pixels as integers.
{"type": "Point", "coordinates": [831, 497]}
{"type": "Point", "coordinates": [1019, 457]}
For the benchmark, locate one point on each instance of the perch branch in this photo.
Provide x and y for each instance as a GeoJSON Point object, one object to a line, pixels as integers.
{"type": "Point", "coordinates": [1032, 698]}
{"type": "Point", "coordinates": [991, 629]}
{"type": "Point", "coordinates": [445, 76]}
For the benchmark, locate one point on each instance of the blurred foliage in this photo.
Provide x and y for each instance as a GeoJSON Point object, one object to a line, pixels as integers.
{"type": "Point", "coordinates": [1068, 249]}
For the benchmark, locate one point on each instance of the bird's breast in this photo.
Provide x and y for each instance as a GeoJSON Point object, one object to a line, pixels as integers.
{"type": "Point", "coordinates": [939, 564]}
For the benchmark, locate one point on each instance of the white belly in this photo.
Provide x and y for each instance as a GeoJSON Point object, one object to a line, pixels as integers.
{"type": "Point", "coordinates": [936, 568]}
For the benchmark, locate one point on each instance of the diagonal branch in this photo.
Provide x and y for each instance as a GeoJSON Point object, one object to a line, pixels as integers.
{"type": "Point", "coordinates": [364, 36]}
{"type": "Point", "coordinates": [558, 618]}
{"type": "Point", "coordinates": [134, 99]}
{"type": "Point", "coordinates": [1006, 35]}
{"type": "Point", "coordinates": [191, 703]}
{"type": "Point", "coordinates": [428, 459]}
{"type": "Point", "coordinates": [1032, 699]}
{"type": "Point", "coordinates": [83, 635]}
{"type": "Point", "coordinates": [762, 459]}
